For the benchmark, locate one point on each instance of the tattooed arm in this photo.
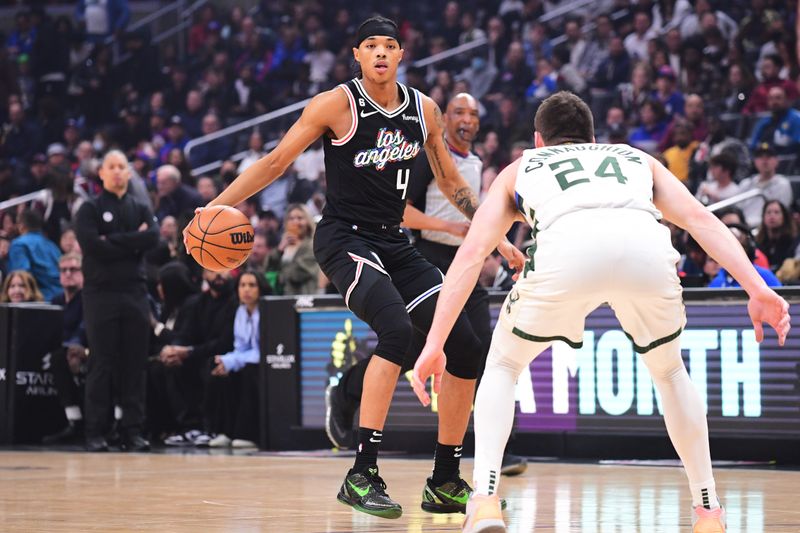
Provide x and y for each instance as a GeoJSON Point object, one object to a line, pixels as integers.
{"type": "Point", "coordinates": [448, 179]}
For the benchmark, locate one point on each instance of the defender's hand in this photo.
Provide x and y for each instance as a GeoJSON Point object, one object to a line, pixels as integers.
{"type": "Point", "coordinates": [511, 253]}
{"type": "Point", "coordinates": [770, 308]}
{"type": "Point", "coordinates": [431, 361]}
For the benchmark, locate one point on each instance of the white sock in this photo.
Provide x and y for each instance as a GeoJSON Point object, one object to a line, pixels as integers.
{"type": "Point", "coordinates": [704, 494]}
{"type": "Point", "coordinates": [73, 413]}
{"type": "Point", "coordinates": [494, 416]}
{"type": "Point", "coordinates": [117, 412]}
{"type": "Point", "coordinates": [494, 405]}
{"type": "Point", "coordinates": [685, 418]}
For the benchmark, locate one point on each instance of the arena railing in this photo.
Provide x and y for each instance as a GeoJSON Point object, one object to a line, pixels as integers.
{"type": "Point", "coordinates": [25, 198]}
{"type": "Point", "coordinates": [733, 200]}
{"type": "Point", "coordinates": [297, 106]}
{"type": "Point", "coordinates": [176, 15]}
{"type": "Point", "coordinates": [211, 167]}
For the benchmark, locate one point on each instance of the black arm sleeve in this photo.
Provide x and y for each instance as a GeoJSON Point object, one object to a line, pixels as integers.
{"type": "Point", "coordinates": [421, 178]}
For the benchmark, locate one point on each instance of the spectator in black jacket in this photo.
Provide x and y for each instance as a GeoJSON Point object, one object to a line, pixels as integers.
{"type": "Point", "coordinates": [114, 231]}
{"type": "Point", "coordinates": [614, 69]}
{"type": "Point", "coordinates": [169, 411]}
{"type": "Point", "coordinates": [206, 333]}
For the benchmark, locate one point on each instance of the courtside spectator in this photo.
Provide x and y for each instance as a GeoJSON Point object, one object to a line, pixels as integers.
{"type": "Point", "coordinates": [18, 287]}
{"type": "Point", "coordinates": [68, 362]}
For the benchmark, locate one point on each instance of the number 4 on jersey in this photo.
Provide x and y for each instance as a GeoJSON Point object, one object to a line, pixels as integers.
{"type": "Point", "coordinates": [402, 181]}
{"type": "Point", "coordinates": [601, 172]}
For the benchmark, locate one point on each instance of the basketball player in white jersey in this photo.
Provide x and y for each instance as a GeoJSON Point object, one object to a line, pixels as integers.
{"type": "Point", "coordinates": [594, 210]}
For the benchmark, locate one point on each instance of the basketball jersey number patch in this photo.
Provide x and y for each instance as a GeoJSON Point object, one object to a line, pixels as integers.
{"type": "Point", "coordinates": [402, 180]}
{"type": "Point", "coordinates": [608, 168]}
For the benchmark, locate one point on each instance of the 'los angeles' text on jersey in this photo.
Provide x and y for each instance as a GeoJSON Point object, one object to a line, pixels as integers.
{"type": "Point", "coordinates": [390, 147]}
{"type": "Point", "coordinates": [368, 169]}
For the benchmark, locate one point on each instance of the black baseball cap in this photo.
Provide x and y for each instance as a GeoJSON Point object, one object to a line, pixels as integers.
{"type": "Point", "coordinates": [764, 149]}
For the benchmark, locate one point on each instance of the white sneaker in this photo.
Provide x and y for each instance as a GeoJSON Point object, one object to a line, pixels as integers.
{"type": "Point", "coordinates": [201, 440]}
{"type": "Point", "coordinates": [177, 439]}
{"type": "Point", "coordinates": [242, 443]}
{"type": "Point", "coordinates": [220, 441]}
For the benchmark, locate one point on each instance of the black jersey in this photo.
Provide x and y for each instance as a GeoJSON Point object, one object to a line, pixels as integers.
{"type": "Point", "coordinates": [367, 171]}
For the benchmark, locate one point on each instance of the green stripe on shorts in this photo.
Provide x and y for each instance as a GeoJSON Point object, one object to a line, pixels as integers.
{"type": "Point", "coordinates": [656, 343]}
{"type": "Point", "coordinates": [536, 338]}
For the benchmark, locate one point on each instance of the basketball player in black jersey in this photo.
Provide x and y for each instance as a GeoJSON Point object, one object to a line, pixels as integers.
{"type": "Point", "coordinates": [373, 128]}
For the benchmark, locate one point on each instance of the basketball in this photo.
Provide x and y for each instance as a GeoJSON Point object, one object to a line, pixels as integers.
{"type": "Point", "coordinates": [220, 238]}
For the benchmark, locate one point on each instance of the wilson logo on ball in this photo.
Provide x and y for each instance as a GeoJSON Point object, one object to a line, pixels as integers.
{"type": "Point", "coordinates": [241, 237]}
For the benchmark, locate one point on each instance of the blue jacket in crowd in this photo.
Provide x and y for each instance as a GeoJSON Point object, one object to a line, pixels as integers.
{"type": "Point", "coordinates": [38, 255]}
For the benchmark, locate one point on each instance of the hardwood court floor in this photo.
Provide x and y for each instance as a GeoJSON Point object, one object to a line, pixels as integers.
{"type": "Point", "coordinates": [59, 492]}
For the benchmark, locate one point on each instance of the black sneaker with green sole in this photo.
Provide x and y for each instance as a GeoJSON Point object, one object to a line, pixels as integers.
{"type": "Point", "coordinates": [365, 491]}
{"type": "Point", "coordinates": [449, 497]}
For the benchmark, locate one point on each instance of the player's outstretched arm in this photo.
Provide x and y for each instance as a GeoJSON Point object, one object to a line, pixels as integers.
{"type": "Point", "coordinates": [492, 220]}
{"type": "Point", "coordinates": [314, 122]}
{"type": "Point", "coordinates": [681, 208]}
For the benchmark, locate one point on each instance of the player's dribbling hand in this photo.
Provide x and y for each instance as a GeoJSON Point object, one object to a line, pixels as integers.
{"type": "Point", "coordinates": [770, 308]}
{"type": "Point", "coordinates": [431, 361]}
{"type": "Point", "coordinates": [197, 211]}
{"type": "Point", "coordinates": [512, 254]}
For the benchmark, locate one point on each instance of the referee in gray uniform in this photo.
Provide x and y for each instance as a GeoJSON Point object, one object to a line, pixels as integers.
{"type": "Point", "coordinates": [440, 227]}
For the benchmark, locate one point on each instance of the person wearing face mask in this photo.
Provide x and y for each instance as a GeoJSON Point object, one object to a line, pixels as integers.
{"type": "Point", "coordinates": [204, 333]}
{"type": "Point", "coordinates": [114, 231]}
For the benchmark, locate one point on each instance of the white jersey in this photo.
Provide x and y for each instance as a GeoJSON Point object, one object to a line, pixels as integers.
{"type": "Point", "coordinates": [470, 167]}
{"type": "Point", "coordinates": [556, 180]}
{"type": "Point", "coordinates": [597, 239]}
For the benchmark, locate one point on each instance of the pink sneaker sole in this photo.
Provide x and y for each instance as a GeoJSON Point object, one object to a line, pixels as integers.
{"type": "Point", "coordinates": [708, 521]}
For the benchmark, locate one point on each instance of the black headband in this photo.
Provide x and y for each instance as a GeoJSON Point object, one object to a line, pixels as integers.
{"type": "Point", "coordinates": [371, 28]}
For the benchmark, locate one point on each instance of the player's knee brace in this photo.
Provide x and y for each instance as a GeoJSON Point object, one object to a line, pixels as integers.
{"type": "Point", "coordinates": [393, 327]}
{"type": "Point", "coordinates": [464, 351]}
